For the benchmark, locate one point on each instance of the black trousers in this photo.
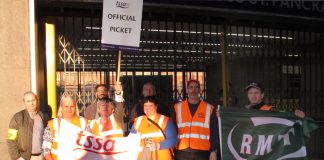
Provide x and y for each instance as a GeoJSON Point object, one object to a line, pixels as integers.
{"type": "Point", "coordinates": [191, 155]}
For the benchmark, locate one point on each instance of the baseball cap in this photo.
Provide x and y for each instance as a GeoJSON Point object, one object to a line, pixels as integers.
{"type": "Point", "coordinates": [256, 85]}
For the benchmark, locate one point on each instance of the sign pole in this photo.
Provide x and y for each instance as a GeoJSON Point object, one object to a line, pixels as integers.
{"type": "Point", "coordinates": [118, 66]}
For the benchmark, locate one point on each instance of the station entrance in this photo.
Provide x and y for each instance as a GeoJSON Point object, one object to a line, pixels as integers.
{"type": "Point", "coordinates": [180, 43]}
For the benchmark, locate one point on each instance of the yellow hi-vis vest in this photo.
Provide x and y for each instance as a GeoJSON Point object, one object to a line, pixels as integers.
{"type": "Point", "coordinates": [110, 129]}
{"type": "Point", "coordinates": [54, 126]}
{"type": "Point", "coordinates": [193, 132]}
{"type": "Point", "coordinates": [149, 130]}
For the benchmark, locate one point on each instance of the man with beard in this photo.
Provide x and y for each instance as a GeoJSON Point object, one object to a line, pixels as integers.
{"type": "Point", "coordinates": [91, 112]}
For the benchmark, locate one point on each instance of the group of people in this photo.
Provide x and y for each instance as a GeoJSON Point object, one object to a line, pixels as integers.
{"type": "Point", "coordinates": [186, 131]}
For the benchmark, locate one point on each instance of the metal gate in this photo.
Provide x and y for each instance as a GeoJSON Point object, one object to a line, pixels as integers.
{"type": "Point", "coordinates": [180, 46]}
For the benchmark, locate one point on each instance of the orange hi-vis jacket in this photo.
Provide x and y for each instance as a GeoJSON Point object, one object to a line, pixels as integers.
{"type": "Point", "coordinates": [266, 108]}
{"type": "Point", "coordinates": [54, 125]}
{"type": "Point", "coordinates": [193, 131]}
{"type": "Point", "coordinates": [149, 130]}
{"type": "Point", "coordinates": [110, 129]}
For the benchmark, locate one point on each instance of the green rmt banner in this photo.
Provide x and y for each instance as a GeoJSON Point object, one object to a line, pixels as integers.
{"type": "Point", "coordinates": [247, 134]}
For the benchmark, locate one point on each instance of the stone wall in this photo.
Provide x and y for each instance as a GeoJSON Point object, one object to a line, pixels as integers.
{"type": "Point", "coordinates": [14, 63]}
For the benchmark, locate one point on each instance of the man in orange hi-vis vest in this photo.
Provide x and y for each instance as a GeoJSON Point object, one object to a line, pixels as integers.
{"type": "Point", "coordinates": [255, 94]}
{"type": "Point", "coordinates": [197, 127]}
{"type": "Point", "coordinates": [106, 125]}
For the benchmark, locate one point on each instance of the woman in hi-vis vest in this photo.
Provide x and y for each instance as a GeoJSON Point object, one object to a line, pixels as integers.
{"type": "Point", "coordinates": [158, 133]}
{"type": "Point", "coordinates": [67, 111]}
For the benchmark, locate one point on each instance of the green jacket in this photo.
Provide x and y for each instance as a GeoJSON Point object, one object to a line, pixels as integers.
{"type": "Point", "coordinates": [20, 134]}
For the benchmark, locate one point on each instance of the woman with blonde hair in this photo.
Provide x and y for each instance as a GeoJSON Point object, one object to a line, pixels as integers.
{"type": "Point", "coordinates": [68, 111]}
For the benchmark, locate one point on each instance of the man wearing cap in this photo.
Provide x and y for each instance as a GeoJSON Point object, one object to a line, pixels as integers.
{"type": "Point", "coordinates": [255, 94]}
{"type": "Point", "coordinates": [197, 126]}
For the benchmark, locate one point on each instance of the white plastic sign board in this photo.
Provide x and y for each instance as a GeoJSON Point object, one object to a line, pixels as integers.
{"type": "Point", "coordinates": [121, 24]}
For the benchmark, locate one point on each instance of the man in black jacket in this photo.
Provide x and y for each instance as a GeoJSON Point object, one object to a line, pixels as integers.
{"type": "Point", "coordinates": [25, 134]}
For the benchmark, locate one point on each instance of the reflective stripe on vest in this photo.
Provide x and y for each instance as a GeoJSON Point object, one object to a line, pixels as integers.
{"type": "Point", "coordinates": [151, 134]}
{"type": "Point", "coordinates": [189, 124]}
{"type": "Point", "coordinates": [138, 122]}
{"type": "Point", "coordinates": [99, 130]}
{"type": "Point", "coordinates": [191, 135]}
{"type": "Point", "coordinates": [161, 119]}
{"type": "Point", "coordinates": [83, 123]}
{"type": "Point", "coordinates": [198, 124]}
{"type": "Point", "coordinates": [148, 130]}
{"type": "Point", "coordinates": [193, 130]}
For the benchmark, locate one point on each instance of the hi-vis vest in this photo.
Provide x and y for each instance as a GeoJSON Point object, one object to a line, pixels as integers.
{"type": "Point", "coordinates": [149, 130]}
{"type": "Point", "coordinates": [266, 108]}
{"type": "Point", "coordinates": [110, 129]}
{"type": "Point", "coordinates": [54, 127]}
{"type": "Point", "coordinates": [193, 132]}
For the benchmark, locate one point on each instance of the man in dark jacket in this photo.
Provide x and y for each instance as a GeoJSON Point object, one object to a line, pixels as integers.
{"type": "Point", "coordinates": [26, 131]}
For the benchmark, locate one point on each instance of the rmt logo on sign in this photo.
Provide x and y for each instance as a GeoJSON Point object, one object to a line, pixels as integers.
{"type": "Point", "coordinates": [256, 144]}
{"type": "Point", "coordinates": [122, 4]}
